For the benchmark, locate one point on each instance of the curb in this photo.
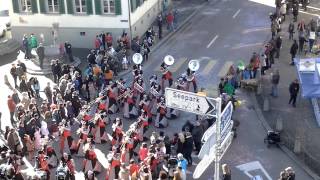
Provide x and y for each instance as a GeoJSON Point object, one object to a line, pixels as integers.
{"type": "Point", "coordinates": [282, 147]}
{"type": "Point", "coordinates": [169, 35]}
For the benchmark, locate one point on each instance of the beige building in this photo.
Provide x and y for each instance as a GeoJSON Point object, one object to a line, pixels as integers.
{"type": "Point", "coordinates": [79, 21]}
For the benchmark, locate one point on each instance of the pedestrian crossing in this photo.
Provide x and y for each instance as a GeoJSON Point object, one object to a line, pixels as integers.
{"type": "Point", "coordinates": [207, 67]}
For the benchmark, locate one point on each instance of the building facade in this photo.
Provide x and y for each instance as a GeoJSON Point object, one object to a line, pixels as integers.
{"type": "Point", "coordinates": [79, 21]}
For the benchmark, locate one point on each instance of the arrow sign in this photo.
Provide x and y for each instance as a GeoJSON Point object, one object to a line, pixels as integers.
{"type": "Point", "coordinates": [190, 102]}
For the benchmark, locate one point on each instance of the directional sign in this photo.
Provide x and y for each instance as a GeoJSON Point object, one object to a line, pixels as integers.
{"type": "Point", "coordinates": [210, 157]}
{"type": "Point", "coordinates": [207, 145]}
{"type": "Point", "coordinates": [190, 102]}
{"type": "Point", "coordinates": [226, 116]}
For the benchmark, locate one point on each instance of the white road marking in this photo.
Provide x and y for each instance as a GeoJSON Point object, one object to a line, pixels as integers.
{"type": "Point", "coordinates": [311, 14]}
{"type": "Point", "coordinates": [253, 166]}
{"type": "Point", "coordinates": [311, 7]}
{"type": "Point", "coordinates": [255, 30]}
{"type": "Point", "coordinates": [224, 70]}
{"type": "Point", "coordinates": [246, 45]}
{"type": "Point", "coordinates": [208, 67]}
{"type": "Point", "coordinates": [212, 41]}
{"type": "Point", "coordinates": [236, 14]}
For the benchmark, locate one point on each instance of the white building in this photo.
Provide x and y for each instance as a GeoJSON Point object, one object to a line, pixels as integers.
{"type": "Point", "coordinates": [80, 21]}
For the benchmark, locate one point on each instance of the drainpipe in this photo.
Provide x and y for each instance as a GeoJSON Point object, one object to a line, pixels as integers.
{"type": "Point", "coordinates": [130, 28]}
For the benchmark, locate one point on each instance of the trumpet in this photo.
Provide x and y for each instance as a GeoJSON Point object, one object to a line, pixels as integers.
{"type": "Point", "coordinates": [138, 87]}
{"type": "Point", "coordinates": [124, 95]}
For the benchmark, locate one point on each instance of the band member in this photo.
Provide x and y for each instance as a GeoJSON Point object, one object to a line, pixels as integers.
{"type": "Point", "coordinates": [50, 152]}
{"type": "Point", "coordinates": [182, 84]}
{"type": "Point", "coordinates": [166, 76]}
{"type": "Point", "coordinates": [90, 155]}
{"type": "Point", "coordinates": [101, 120]}
{"type": "Point", "coordinates": [121, 90]}
{"type": "Point", "coordinates": [112, 103]}
{"type": "Point", "coordinates": [139, 88]}
{"type": "Point", "coordinates": [42, 163]}
{"type": "Point", "coordinates": [84, 133]}
{"type": "Point", "coordinates": [102, 103]}
{"type": "Point", "coordinates": [114, 169]}
{"type": "Point", "coordinates": [130, 110]}
{"type": "Point", "coordinates": [117, 132]}
{"type": "Point", "coordinates": [161, 120]}
{"type": "Point", "coordinates": [153, 80]}
{"type": "Point", "coordinates": [145, 106]}
{"type": "Point", "coordinates": [191, 79]}
{"type": "Point", "coordinates": [65, 138]}
{"type": "Point", "coordinates": [66, 160]}
{"type": "Point", "coordinates": [155, 92]}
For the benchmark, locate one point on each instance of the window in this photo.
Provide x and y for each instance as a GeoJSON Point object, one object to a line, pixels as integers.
{"type": "Point", "coordinates": [80, 6]}
{"type": "Point", "coordinates": [108, 6]}
{"type": "Point", "coordinates": [53, 6]}
{"type": "Point", "coordinates": [26, 6]}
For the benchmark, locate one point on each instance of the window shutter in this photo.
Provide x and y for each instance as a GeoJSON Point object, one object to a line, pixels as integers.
{"type": "Point", "coordinates": [34, 6]}
{"type": "Point", "coordinates": [43, 8]}
{"type": "Point", "coordinates": [89, 6]}
{"type": "Point", "coordinates": [97, 4]}
{"type": "Point", "coordinates": [15, 5]}
{"type": "Point", "coordinates": [118, 7]}
{"type": "Point", "coordinates": [137, 3]}
{"type": "Point", "coordinates": [61, 7]}
{"type": "Point", "coordinates": [70, 6]}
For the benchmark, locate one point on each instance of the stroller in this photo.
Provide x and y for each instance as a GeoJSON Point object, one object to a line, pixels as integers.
{"type": "Point", "coordinates": [273, 137]}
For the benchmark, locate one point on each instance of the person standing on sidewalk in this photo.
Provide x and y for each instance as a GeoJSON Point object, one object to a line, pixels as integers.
{"type": "Point", "coordinates": [170, 19]}
{"type": "Point", "coordinates": [293, 51]}
{"type": "Point", "coordinates": [226, 172]}
{"type": "Point", "coordinates": [13, 72]}
{"type": "Point", "coordinates": [294, 90]}
{"type": "Point", "coordinates": [12, 108]}
{"type": "Point", "coordinates": [275, 78]}
{"type": "Point", "coordinates": [291, 30]}
{"type": "Point", "coordinates": [159, 21]}
{"type": "Point", "coordinates": [68, 47]}
{"type": "Point", "coordinates": [278, 46]}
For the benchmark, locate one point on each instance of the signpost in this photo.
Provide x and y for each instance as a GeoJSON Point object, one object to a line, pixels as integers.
{"type": "Point", "coordinates": [190, 102]}
{"type": "Point", "coordinates": [218, 137]}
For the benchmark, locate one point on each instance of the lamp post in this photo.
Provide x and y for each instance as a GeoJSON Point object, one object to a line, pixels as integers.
{"type": "Point", "coordinates": [129, 20]}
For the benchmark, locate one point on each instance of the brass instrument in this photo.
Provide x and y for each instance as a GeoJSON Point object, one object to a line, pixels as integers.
{"type": "Point", "coordinates": [125, 94]}
{"type": "Point", "coordinates": [155, 92]}
{"type": "Point", "coordinates": [138, 87]}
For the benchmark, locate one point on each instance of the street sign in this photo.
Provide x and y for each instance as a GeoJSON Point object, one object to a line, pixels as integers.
{"type": "Point", "coordinates": [207, 145]}
{"type": "Point", "coordinates": [190, 102]}
{"type": "Point", "coordinates": [206, 135]}
{"type": "Point", "coordinates": [209, 157]}
{"type": "Point", "coordinates": [226, 116]}
{"type": "Point", "coordinates": [202, 166]}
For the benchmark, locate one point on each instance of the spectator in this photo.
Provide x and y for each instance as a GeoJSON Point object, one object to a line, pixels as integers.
{"type": "Point", "coordinates": [226, 172]}
{"type": "Point", "coordinates": [294, 90]}
{"type": "Point", "coordinates": [68, 48]}
{"type": "Point", "coordinates": [293, 51]}
{"type": "Point", "coordinates": [275, 78]}
{"type": "Point", "coordinates": [13, 72]}
{"type": "Point", "coordinates": [12, 109]}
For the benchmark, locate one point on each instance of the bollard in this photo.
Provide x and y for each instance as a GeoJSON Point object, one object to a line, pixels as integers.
{"type": "Point", "coordinates": [259, 88]}
{"type": "Point", "coordinates": [265, 104]}
{"type": "Point", "coordinates": [297, 145]}
{"type": "Point", "coordinates": [279, 125]}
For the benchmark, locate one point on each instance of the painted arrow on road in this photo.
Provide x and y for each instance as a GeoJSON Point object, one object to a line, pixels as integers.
{"type": "Point", "coordinates": [190, 102]}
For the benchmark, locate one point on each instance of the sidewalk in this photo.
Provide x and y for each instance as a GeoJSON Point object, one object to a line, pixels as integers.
{"type": "Point", "coordinates": [298, 123]}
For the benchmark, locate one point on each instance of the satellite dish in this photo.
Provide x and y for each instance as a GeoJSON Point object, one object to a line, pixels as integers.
{"type": "Point", "coordinates": [194, 65]}
{"type": "Point", "coordinates": [137, 58]}
{"type": "Point", "coordinates": [168, 60]}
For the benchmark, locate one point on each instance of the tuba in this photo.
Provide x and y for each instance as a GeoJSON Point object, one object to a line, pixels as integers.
{"type": "Point", "coordinates": [137, 58]}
